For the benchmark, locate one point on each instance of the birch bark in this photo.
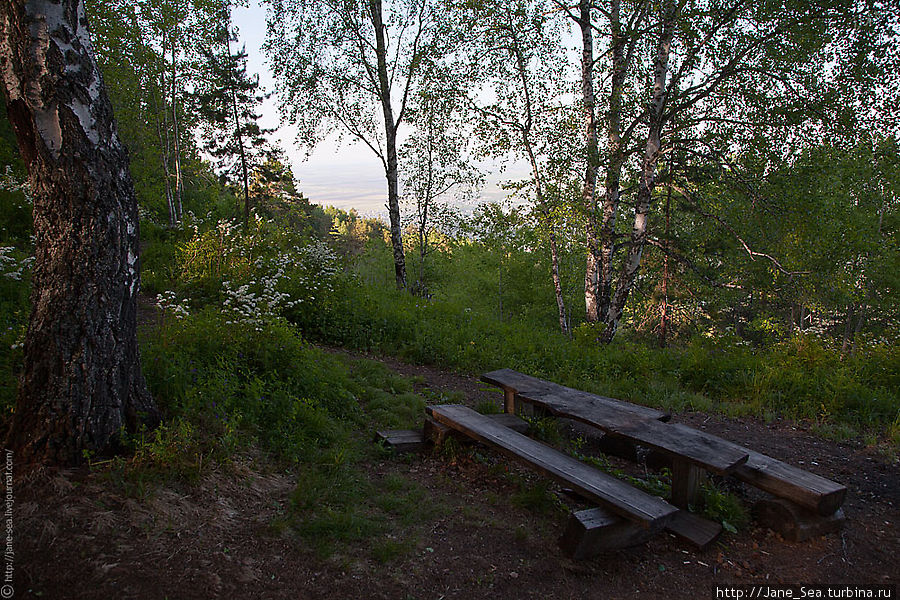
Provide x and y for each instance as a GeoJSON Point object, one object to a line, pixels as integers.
{"type": "Point", "coordinates": [82, 382]}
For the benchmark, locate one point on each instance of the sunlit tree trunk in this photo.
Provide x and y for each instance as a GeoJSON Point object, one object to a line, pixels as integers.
{"type": "Point", "coordinates": [82, 382]}
{"type": "Point", "coordinates": [391, 162]}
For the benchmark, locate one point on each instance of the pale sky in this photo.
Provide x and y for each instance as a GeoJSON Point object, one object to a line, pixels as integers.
{"type": "Point", "coordinates": [349, 176]}
{"type": "Point", "coordinates": [345, 176]}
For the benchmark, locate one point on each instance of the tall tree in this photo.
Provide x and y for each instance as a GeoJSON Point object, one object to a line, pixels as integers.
{"type": "Point", "coordinates": [693, 83]}
{"type": "Point", "coordinates": [516, 88]}
{"type": "Point", "coordinates": [229, 99]}
{"type": "Point", "coordinates": [150, 87]}
{"type": "Point", "coordinates": [132, 68]}
{"type": "Point", "coordinates": [353, 66]}
{"type": "Point", "coordinates": [82, 382]}
{"type": "Point", "coordinates": [439, 166]}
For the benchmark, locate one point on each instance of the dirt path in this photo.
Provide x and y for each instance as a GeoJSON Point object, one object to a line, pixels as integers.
{"type": "Point", "coordinates": [81, 535]}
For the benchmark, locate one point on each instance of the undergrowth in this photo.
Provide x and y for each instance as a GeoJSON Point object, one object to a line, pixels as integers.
{"type": "Point", "coordinates": [799, 379]}
{"type": "Point", "coordinates": [227, 389]}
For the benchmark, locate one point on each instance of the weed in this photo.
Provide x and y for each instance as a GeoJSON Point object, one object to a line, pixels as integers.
{"type": "Point", "coordinates": [521, 534]}
{"type": "Point", "coordinates": [388, 549]}
{"type": "Point", "coordinates": [545, 429]}
{"type": "Point", "coordinates": [723, 507]}
{"type": "Point", "coordinates": [536, 496]}
{"type": "Point", "coordinates": [487, 407]}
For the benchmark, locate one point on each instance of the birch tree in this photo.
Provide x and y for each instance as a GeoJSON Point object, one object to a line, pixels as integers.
{"type": "Point", "coordinates": [353, 67]}
{"type": "Point", "coordinates": [82, 381]}
{"type": "Point", "coordinates": [440, 167]}
{"type": "Point", "coordinates": [693, 82]}
{"type": "Point", "coordinates": [516, 87]}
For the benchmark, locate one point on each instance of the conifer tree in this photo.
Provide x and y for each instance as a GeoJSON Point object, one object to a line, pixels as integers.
{"type": "Point", "coordinates": [229, 101]}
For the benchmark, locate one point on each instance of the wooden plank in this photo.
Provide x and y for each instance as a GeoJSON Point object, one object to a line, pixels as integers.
{"type": "Point", "coordinates": [616, 495]}
{"type": "Point", "coordinates": [811, 491]}
{"type": "Point", "coordinates": [592, 531]}
{"type": "Point", "coordinates": [637, 423]}
{"type": "Point", "coordinates": [437, 433]}
{"type": "Point", "coordinates": [532, 387]}
{"type": "Point", "coordinates": [401, 440]}
{"type": "Point", "coordinates": [694, 529]}
{"type": "Point", "coordinates": [785, 481]}
{"type": "Point", "coordinates": [682, 442]}
{"type": "Point", "coordinates": [795, 523]}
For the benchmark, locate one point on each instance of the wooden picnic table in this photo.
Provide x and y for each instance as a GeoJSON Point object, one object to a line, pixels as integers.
{"type": "Point", "coordinates": [691, 451]}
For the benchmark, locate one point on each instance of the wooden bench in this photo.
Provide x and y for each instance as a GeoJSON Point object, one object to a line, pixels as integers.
{"type": "Point", "coordinates": [691, 451]}
{"type": "Point", "coordinates": [683, 445]}
{"type": "Point", "coordinates": [818, 494]}
{"type": "Point", "coordinates": [613, 494]}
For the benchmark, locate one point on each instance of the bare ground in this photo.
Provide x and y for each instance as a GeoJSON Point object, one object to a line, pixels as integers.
{"type": "Point", "coordinates": [80, 534]}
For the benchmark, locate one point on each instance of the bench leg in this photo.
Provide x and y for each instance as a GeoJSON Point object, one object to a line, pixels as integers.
{"type": "Point", "coordinates": [793, 522]}
{"type": "Point", "coordinates": [686, 481]}
{"type": "Point", "coordinates": [435, 432]}
{"type": "Point", "coordinates": [592, 531]}
{"type": "Point", "coordinates": [509, 402]}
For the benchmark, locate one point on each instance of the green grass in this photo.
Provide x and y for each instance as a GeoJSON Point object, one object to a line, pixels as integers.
{"type": "Point", "coordinates": [232, 387]}
{"type": "Point", "coordinates": [801, 379]}
{"type": "Point", "coordinates": [723, 507]}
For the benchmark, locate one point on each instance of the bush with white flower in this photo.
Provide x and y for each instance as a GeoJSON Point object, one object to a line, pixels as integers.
{"type": "Point", "coordinates": [258, 274]}
{"type": "Point", "coordinates": [12, 264]}
{"type": "Point", "coordinates": [168, 302]}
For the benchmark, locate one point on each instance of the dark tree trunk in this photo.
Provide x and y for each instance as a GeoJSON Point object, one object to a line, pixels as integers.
{"type": "Point", "coordinates": [860, 321]}
{"type": "Point", "coordinates": [245, 177]}
{"type": "Point", "coordinates": [391, 162]}
{"type": "Point", "coordinates": [82, 382]}
{"type": "Point", "coordinates": [164, 155]}
{"type": "Point", "coordinates": [179, 184]}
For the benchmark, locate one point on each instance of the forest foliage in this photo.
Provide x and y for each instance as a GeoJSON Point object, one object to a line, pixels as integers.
{"type": "Point", "coordinates": [766, 239]}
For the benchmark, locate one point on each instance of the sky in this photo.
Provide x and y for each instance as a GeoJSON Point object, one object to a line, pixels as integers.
{"type": "Point", "coordinates": [346, 175]}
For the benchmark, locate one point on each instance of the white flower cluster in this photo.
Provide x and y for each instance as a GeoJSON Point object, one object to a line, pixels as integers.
{"type": "Point", "coordinates": [310, 268]}
{"type": "Point", "coordinates": [168, 302]}
{"type": "Point", "coordinates": [316, 268]}
{"type": "Point", "coordinates": [319, 256]}
{"type": "Point", "coordinates": [10, 183]}
{"type": "Point", "coordinates": [255, 309]}
{"type": "Point", "coordinates": [10, 267]}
